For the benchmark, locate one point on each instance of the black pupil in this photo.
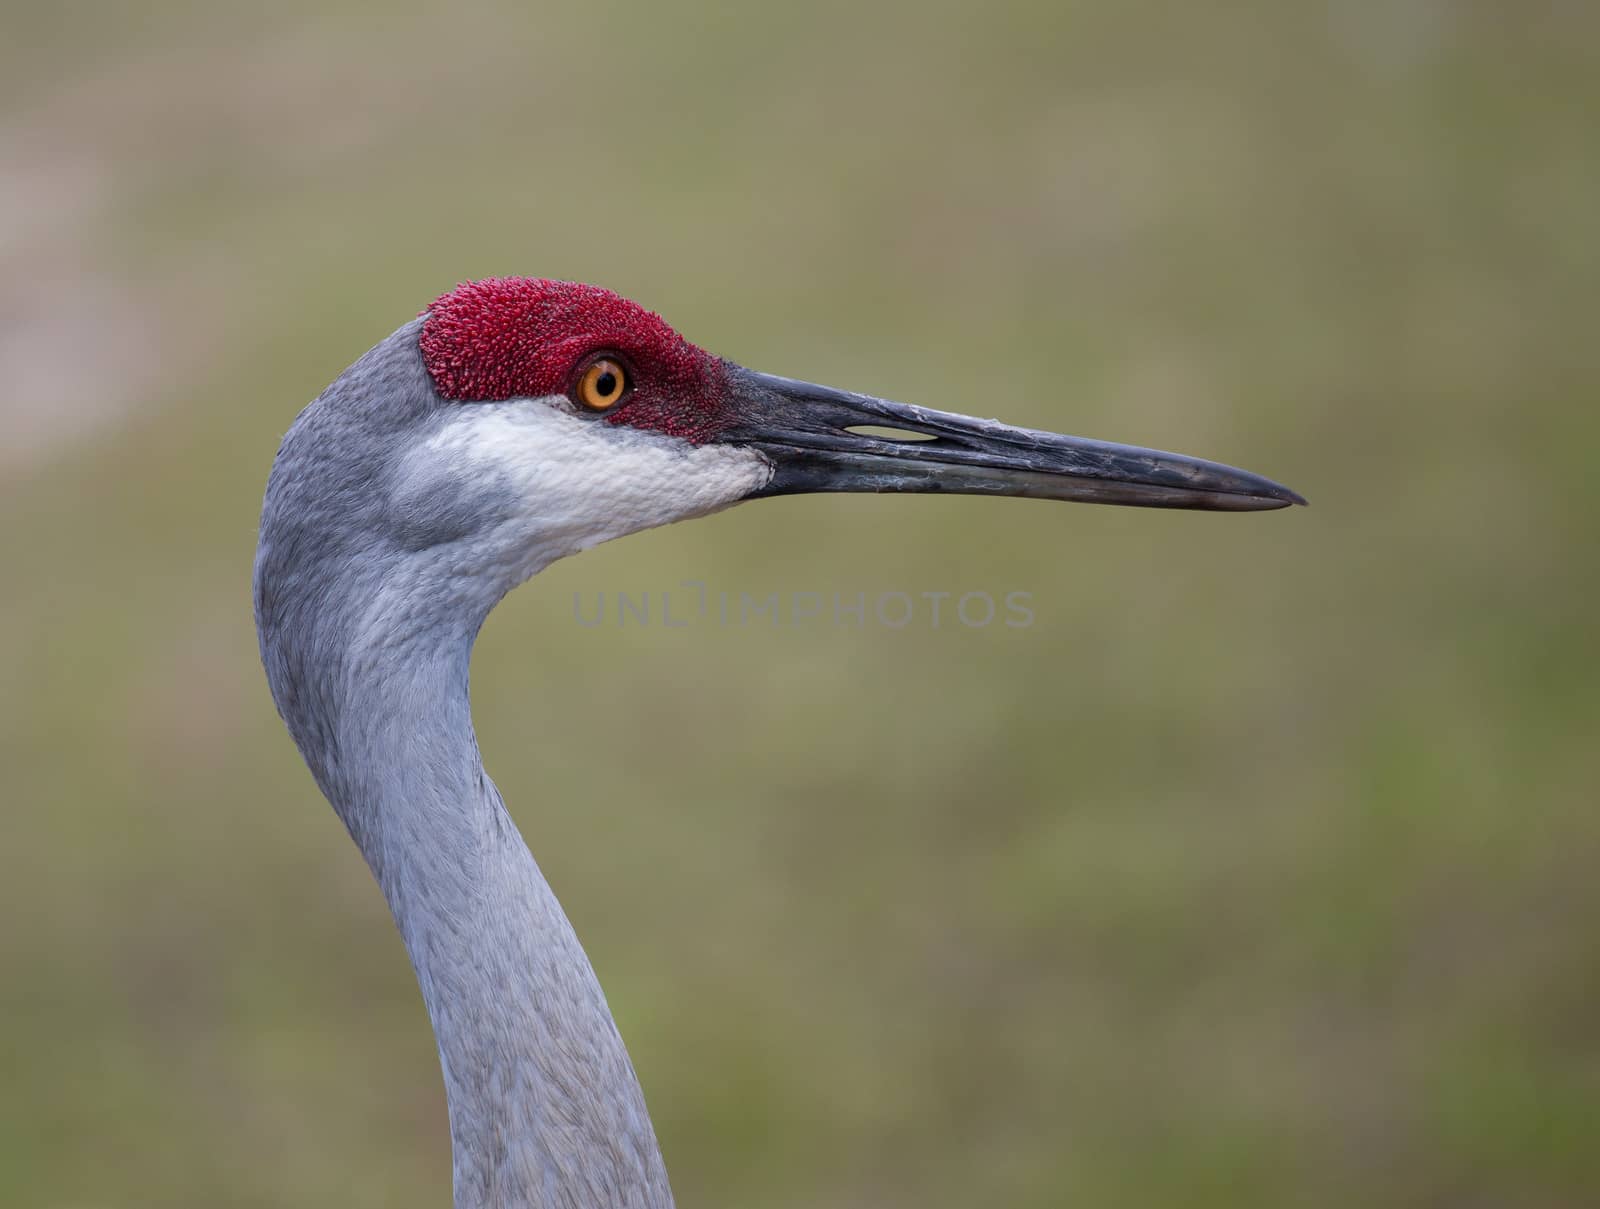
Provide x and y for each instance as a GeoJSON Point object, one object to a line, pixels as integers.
{"type": "Point", "coordinates": [606, 384]}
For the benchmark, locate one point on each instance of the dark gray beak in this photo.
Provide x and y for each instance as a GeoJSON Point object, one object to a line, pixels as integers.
{"type": "Point", "coordinates": [808, 432]}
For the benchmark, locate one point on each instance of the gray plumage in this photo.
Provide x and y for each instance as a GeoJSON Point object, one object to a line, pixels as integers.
{"type": "Point", "coordinates": [372, 579]}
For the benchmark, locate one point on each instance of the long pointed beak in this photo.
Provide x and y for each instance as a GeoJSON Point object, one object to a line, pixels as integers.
{"type": "Point", "coordinates": [810, 434]}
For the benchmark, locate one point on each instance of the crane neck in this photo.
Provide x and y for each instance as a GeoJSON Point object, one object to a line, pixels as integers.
{"type": "Point", "coordinates": [545, 1108]}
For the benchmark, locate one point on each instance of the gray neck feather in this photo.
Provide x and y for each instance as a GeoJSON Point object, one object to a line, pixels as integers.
{"type": "Point", "coordinates": [544, 1105]}
{"type": "Point", "coordinates": [370, 672]}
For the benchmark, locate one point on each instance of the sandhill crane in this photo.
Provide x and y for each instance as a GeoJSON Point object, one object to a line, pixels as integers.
{"type": "Point", "coordinates": [514, 422]}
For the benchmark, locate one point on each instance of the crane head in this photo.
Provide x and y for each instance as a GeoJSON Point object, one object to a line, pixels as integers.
{"type": "Point", "coordinates": [538, 418]}
{"type": "Point", "coordinates": [514, 422]}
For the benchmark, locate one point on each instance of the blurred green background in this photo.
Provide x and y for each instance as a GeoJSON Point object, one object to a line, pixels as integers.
{"type": "Point", "coordinates": [1261, 870]}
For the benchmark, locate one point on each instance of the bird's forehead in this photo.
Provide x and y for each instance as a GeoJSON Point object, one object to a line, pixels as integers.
{"type": "Point", "coordinates": [509, 337]}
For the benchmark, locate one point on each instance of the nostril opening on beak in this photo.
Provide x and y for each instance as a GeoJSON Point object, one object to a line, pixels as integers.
{"type": "Point", "coordinates": [890, 434]}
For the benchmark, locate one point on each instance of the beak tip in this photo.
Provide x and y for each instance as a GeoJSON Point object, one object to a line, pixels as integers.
{"type": "Point", "coordinates": [1276, 496]}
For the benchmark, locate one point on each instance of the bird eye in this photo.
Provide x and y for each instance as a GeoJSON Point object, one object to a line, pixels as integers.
{"type": "Point", "coordinates": [603, 383]}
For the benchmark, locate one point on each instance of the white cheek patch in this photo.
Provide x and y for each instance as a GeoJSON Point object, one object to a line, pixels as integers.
{"type": "Point", "coordinates": [577, 481]}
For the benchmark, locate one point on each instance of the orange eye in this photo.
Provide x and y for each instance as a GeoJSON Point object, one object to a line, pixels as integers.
{"type": "Point", "coordinates": [602, 384]}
